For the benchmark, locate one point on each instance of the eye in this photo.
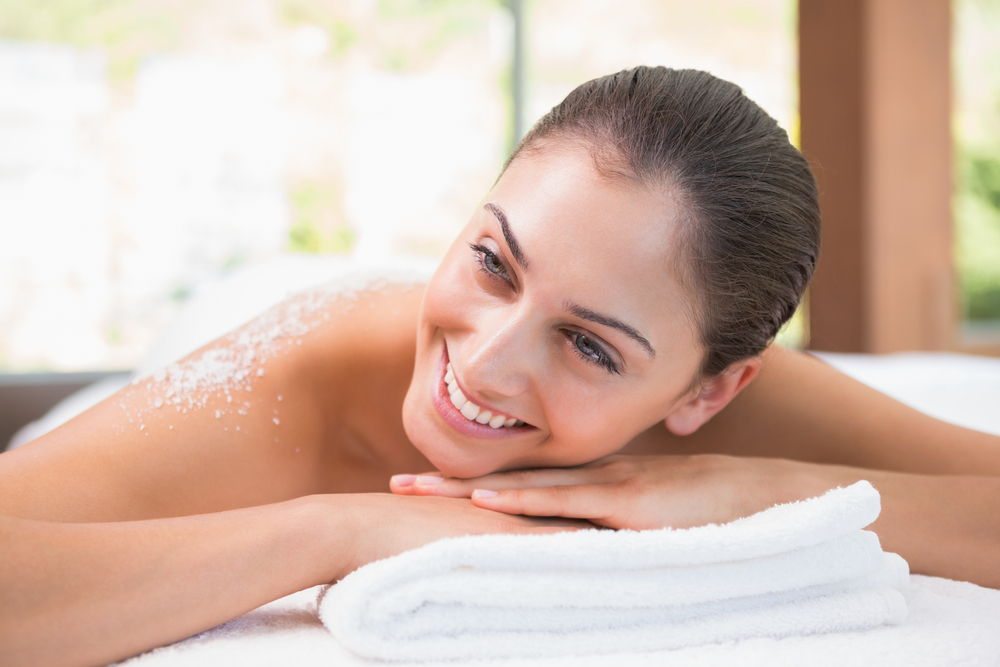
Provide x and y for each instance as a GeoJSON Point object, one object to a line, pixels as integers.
{"type": "Point", "coordinates": [591, 351]}
{"type": "Point", "coordinates": [490, 262]}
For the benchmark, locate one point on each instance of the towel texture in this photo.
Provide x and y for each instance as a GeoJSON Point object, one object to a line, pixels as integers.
{"type": "Point", "coordinates": [800, 568]}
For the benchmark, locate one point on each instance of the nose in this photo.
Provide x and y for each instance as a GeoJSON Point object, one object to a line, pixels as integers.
{"type": "Point", "coordinates": [499, 358]}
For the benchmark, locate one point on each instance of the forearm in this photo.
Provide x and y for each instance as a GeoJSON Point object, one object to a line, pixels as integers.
{"type": "Point", "coordinates": [83, 594]}
{"type": "Point", "coordinates": [943, 525]}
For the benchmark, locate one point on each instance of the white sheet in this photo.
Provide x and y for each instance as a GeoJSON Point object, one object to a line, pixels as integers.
{"type": "Point", "coordinates": [950, 623]}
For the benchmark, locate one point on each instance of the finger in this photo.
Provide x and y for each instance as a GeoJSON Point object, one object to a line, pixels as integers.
{"type": "Point", "coordinates": [597, 503]}
{"type": "Point", "coordinates": [406, 485]}
{"type": "Point", "coordinates": [548, 530]}
{"type": "Point", "coordinates": [532, 523]}
{"type": "Point", "coordinates": [452, 487]}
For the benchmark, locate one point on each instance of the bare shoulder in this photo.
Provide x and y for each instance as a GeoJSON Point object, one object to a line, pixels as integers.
{"type": "Point", "coordinates": [246, 420]}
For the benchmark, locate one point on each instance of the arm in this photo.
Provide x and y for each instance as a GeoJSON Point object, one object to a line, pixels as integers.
{"type": "Point", "coordinates": [800, 429]}
{"type": "Point", "coordinates": [92, 593]}
{"type": "Point", "coordinates": [940, 483]}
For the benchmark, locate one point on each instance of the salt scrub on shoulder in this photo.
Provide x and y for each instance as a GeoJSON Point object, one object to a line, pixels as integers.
{"type": "Point", "coordinates": [233, 366]}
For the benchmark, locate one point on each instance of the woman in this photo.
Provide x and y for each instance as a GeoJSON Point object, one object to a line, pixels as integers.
{"type": "Point", "coordinates": [593, 346]}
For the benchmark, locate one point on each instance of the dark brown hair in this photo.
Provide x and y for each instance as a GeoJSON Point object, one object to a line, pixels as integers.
{"type": "Point", "coordinates": [753, 240]}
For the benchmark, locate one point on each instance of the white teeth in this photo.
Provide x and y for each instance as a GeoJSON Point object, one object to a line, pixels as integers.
{"type": "Point", "coordinates": [470, 410]}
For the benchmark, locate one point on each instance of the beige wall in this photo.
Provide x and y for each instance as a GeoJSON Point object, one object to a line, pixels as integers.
{"type": "Point", "coordinates": [875, 86]}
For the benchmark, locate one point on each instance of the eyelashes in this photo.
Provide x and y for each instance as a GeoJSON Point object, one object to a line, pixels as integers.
{"type": "Point", "coordinates": [589, 350]}
{"type": "Point", "coordinates": [585, 347]}
{"type": "Point", "coordinates": [490, 263]}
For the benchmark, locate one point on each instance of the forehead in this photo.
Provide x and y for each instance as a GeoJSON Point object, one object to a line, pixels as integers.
{"type": "Point", "coordinates": [607, 243]}
{"type": "Point", "coordinates": [559, 191]}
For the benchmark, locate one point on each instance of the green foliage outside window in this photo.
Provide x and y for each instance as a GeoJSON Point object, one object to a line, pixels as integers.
{"type": "Point", "coordinates": [316, 226]}
{"type": "Point", "coordinates": [978, 233]}
{"type": "Point", "coordinates": [126, 31]}
{"type": "Point", "coordinates": [977, 138]}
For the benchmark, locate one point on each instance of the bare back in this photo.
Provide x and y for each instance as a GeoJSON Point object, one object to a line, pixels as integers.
{"type": "Point", "coordinates": [304, 399]}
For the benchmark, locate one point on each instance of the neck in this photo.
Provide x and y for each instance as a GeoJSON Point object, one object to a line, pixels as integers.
{"type": "Point", "coordinates": [369, 444]}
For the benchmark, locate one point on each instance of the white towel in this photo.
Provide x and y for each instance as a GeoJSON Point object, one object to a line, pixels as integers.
{"type": "Point", "coordinates": [794, 569]}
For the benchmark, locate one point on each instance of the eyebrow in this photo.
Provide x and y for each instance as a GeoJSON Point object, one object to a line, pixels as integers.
{"type": "Point", "coordinates": [588, 314]}
{"type": "Point", "coordinates": [515, 247]}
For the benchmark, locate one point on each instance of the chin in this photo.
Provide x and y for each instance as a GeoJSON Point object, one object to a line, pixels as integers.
{"type": "Point", "coordinates": [426, 436]}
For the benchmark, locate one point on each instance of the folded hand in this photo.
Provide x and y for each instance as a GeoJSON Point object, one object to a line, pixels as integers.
{"type": "Point", "coordinates": [636, 492]}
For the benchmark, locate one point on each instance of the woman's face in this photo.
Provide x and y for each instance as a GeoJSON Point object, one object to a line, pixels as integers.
{"type": "Point", "coordinates": [557, 306]}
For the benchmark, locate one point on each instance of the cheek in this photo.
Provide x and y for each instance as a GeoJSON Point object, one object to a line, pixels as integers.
{"type": "Point", "coordinates": [591, 423]}
{"type": "Point", "coordinates": [588, 425]}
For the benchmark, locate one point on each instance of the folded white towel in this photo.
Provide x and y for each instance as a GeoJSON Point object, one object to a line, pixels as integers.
{"type": "Point", "coordinates": [794, 569]}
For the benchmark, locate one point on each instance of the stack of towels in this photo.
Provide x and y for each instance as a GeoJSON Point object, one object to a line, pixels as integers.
{"type": "Point", "coordinates": [795, 569]}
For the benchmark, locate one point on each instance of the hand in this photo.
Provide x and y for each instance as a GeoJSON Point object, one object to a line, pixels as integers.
{"type": "Point", "coordinates": [636, 492]}
{"type": "Point", "coordinates": [388, 525]}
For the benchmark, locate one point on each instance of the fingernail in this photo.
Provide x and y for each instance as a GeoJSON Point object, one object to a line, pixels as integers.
{"type": "Point", "coordinates": [404, 480]}
{"type": "Point", "coordinates": [483, 493]}
{"type": "Point", "coordinates": [429, 479]}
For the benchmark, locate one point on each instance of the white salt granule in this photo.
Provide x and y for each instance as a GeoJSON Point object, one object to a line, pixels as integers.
{"type": "Point", "coordinates": [192, 383]}
{"type": "Point", "coordinates": [275, 420]}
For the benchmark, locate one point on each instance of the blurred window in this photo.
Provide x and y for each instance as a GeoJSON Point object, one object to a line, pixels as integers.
{"type": "Point", "coordinates": [977, 151]}
{"type": "Point", "coordinates": [147, 145]}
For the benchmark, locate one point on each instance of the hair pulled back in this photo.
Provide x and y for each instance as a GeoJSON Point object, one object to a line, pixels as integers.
{"type": "Point", "coordinates": [753, 238]}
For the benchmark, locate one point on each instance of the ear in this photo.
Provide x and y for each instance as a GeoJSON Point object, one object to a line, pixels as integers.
{"type": "Point", "coordinates": [713, 395]}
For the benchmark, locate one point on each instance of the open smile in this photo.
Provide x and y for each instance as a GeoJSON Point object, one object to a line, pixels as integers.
{"type": "Point", "coordinates": [465, 416]}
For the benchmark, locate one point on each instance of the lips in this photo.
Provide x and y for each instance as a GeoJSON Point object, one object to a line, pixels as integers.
{"type": "Point", "coordinates": [456, 409]}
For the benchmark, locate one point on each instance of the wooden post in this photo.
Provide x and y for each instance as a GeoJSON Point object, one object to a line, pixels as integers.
{"type": "Point", "coordinates": [875, 101]}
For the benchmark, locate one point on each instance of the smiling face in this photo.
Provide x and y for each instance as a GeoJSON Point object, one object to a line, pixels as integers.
{"type": "Point", "coordinates": [557, 306]}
